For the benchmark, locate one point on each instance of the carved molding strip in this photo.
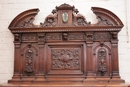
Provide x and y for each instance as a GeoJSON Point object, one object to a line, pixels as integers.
{"type": "Point", "coordinates": [63, 30]}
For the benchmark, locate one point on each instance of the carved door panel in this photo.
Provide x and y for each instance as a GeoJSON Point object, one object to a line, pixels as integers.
{"type": "Point", "coordinates": [102, 58]}
{"type": "Point", "coordinates": [65, 58]}
{"type": "Point", "coordinates": [29, 58]}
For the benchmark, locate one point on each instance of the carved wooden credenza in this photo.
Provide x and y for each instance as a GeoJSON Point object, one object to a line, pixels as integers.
{"type": "Point", "coordinates": [66, 48]}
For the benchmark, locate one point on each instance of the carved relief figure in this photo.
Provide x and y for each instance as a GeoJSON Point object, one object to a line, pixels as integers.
{"type": "Point", "coordinates": [102, 61]}
{"type": "Point", "coordinates": [29, 62]}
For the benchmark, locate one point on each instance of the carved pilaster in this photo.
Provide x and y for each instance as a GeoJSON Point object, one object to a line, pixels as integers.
{"type": "Point", "coordinates": [89, 42]}
{"type": "Point", "coordinates": [41, 43]}
{"type": "Point", "coordinates": [115, 65]}
{"type": "Point", "coordinates": [114, 43]}
{"type": "Point", "coordinates": [17, 43]}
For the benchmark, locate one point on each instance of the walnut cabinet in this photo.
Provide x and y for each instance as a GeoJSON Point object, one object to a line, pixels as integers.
{"type": "Point", "coordinates": [66, 47]}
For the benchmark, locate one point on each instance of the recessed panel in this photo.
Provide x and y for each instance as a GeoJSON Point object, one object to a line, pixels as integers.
{"type": "Point", "coordinates": [65, 58]}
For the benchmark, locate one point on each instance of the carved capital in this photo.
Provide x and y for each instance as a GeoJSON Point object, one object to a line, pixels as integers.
{"type": "Point", "coordinates": [114, 35]}
{"type": "Point", "coordinates": [17, 37]}
{"type": "Point", "coordinates": [65, 36]}
{"type": "Point", "coordinates": [41, 38]}
{"type": "Point", "coordinates": [89, 36]}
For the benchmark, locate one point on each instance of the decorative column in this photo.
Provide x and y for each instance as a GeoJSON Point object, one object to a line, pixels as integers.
{"type": "Point", "coordinates": [89, 43]}
{"type": "Point", "coordinates": [41, 43]}
{"type": "Point", "coordinates": [115, 64]}
{"type": "Point", "coordinates": [17, 60]}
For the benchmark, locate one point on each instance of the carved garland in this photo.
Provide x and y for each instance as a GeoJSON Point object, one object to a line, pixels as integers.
{"type": "Point", "coordinates": [102, 68]}
{"type": "Point", "coordinates": [29, 62]}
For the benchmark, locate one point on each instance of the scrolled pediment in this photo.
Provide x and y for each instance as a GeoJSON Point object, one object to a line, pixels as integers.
{"type": "Point", "coordinates": [66, 16]}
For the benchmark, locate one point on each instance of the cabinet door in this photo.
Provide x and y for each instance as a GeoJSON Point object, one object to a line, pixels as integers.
{"type": "Point", "coordinates": [65, 58]}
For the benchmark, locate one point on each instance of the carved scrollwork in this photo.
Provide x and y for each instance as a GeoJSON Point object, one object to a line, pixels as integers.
{"type": "Point", "coordinates": [76, 37]}
{"type": "Point", "coordinates": [28, 23]}
{"type": "Point", "coordinates": [29, 62]}
{"type": "Point", "coordinates": [101, 36]}
{"type": "Point", "coordinates": [27, 37]}
{"type": "Point", "coordinates": [103, 21]}
{"type": "Point", "coordinates": [53, 37]}
{"type": "Point", "coordinates": [65, 59]}
{"type": "Point", "coordinates": [102, 68]}
{"type": "Point", "coordinates": [51, 20]}
{"type": "Point", "coordinates": [79, 20]}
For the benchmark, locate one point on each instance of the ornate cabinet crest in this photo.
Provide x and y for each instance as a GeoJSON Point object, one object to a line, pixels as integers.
{"type": "Point", "coordinates": [66, 47]}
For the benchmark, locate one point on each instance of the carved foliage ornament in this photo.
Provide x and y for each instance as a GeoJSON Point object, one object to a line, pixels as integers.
{"type": "Point", "coordinates": [102, 68]}
{"type": "Point", "coordinates": [101, 36]}
{"type": "Point", "coordinates": [29, 62]}
{"type": "Point", "coordinates": [31, 37]}
{"type": "Point", "coordinates": [104, 16]}
{"type": "Point", "coordinates": [65, 59]}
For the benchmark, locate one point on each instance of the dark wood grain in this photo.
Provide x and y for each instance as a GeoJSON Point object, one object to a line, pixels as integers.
{"type": "Point", "coordinates": [66, 50]}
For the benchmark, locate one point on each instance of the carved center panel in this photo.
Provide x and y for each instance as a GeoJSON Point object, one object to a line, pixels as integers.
{"type": "Point", "coordinates": [65, 59]}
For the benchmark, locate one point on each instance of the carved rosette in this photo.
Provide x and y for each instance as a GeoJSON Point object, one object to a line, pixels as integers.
{"type": "Point", "coordinates": [102, 68]}
{"type": "Point", "coordinates": [29, 62]}
{"type": "Point", "coordinates": [65, 59]}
